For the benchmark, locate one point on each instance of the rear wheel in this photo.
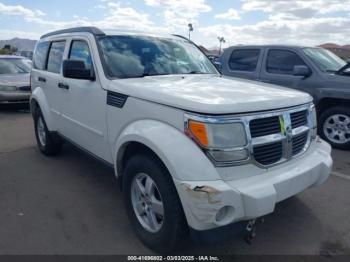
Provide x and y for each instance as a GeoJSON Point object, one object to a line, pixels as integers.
{"type": "Point", "coordinates": [152, 203]}
{"type": "Point", "coordinates": [335, 127]}
{"type": "Point", "coordinates": [47, 142]}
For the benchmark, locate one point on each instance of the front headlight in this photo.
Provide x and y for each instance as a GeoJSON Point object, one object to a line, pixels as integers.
{"type": "Point", "coordinates": [7, 88]}
{"type": "Point", "coordinates": [225, 143]}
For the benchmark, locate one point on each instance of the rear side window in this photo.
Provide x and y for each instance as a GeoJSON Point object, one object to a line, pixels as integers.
{"type": "Point", "coordinates": [40, 55]}
{"type": "Point", "coordinates": [80, 51]}
{"type": "Point", "coordinates": [283, 62]}
{"type": "Point", "coordinates": [54, 61]}
{"type": "Point", "coordinates": [244, 60]}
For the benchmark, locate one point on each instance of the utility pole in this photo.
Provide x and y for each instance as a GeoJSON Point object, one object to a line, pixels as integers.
{"type": "Point", "coordinates": [190, 29]}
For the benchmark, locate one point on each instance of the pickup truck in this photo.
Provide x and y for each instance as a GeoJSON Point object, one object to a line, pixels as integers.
{"type": "Point", "coordinates": [316, 71]}
{"type": "Point", "coordinates": [193, 151]}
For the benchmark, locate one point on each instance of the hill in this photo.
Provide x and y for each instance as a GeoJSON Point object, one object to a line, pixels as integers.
{"type": "Point", "coordinates": [21, 44]}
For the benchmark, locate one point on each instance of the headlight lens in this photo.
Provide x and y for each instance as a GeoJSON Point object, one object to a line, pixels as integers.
{"type": "Point", "coordinates": [218, 136]}
{"type": "Point", "coordinates": [224, 143]}
{"type": "Point", "coordinates": [7, 88]}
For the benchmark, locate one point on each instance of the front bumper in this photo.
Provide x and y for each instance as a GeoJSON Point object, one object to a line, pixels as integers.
{"type": "Point", "coordinates": [14, 97]}
{"type": "Point", "coordinates": [254, 196]}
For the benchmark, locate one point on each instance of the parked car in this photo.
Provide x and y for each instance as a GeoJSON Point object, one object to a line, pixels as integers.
{"type": "Point", "coordinates": [27, 54]}
{"type": "Point", "coordinates": [14, 79]}
{"type": "Point", "coordinates": [316, 71]}
{"type": "Point", "coordinates": [191, 149]}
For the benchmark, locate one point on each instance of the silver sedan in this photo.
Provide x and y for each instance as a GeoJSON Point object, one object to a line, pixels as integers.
{"type": "Point", "coordinates": [14, 79]}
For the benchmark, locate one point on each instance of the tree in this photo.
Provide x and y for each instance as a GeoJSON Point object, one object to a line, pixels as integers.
{"type": "Point", "coordinates": [221, 40]}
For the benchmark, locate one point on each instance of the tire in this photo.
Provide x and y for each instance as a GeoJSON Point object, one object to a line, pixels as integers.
{"type": "Point", "coordinates": [334, 127]}
{"type": "Point", "coordinates": [173, 228]}
{"type": "Point", "coordinates": [47, 142]}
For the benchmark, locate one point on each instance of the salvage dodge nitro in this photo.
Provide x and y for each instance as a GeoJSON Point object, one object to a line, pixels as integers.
{"type": "Point", "coordinates": [194, 151]}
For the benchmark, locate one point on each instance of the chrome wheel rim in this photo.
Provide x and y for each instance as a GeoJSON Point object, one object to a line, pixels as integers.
{"type": "Point", "coordinates": [41, 131]}
{"type": "Point", "coordinates": [147, 203]}
{"type": "Point", "coordinates": [337, 128]}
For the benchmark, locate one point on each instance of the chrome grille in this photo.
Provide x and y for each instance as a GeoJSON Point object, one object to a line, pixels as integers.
{"type": "Point", "coordinates": [277, 137]}
{"type": "Point", "coordinates": [264, 126]}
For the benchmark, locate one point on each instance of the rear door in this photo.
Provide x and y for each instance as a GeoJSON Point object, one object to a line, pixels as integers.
{"type": "Point", "coordinates": [242, 62]}
{"type": "Point", "coordinates": [53, 76]}
{"type": "Point", "coordinates": [46, 73]}
{"type": "Point", "coordinates": [278, 66]}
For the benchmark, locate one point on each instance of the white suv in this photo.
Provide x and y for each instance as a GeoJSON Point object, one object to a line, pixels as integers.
{"type": "Point", "coordinates": [194, 151]}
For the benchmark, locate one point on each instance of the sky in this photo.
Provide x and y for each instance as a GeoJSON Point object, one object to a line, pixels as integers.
{"type": "Point", "coordinates": [304, 22]}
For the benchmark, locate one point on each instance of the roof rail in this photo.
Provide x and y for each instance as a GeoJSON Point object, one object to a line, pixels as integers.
{"type": "Point", "coordinates": [92, 30]}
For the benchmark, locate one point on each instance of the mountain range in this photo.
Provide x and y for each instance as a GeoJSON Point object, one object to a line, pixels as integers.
{"type": "Point", "coordinates": [334, 46]}
{"type": "Point", "coordinates": [19, 43]}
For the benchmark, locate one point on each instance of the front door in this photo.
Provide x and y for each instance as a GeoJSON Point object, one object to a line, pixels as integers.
{"type": "Point", "coordinates": [83, 110]}
{"type": "Point", "coordinates": [278, 68]}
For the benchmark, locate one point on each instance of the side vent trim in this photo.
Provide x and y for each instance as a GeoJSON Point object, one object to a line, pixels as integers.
{"type": "Point", "coordinates": [116, 99]}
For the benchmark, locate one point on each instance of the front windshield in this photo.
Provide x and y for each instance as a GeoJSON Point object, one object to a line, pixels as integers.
{"type": "Point", "coordinates": [139, 56]}
{"type": "Point", "coordinates": [324, 59]}
{"type": "Point", "coordinates": [14, 66]}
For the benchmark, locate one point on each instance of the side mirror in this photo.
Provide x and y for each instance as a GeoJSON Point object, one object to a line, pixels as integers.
{"type": "Point", "coordinates": [301, 70]}
{"type": "Point", "coordinates": [76, 69]}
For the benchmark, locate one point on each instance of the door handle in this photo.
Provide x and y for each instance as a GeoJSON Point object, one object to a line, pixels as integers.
{"type": "Point", "coordinates": [41, 79]}
{"type": "Point", "coordinates": [63, 86]}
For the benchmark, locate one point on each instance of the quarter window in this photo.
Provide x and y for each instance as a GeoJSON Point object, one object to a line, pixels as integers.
{"type": "Point", "coordinates": [80, 51]}
{"type": "Point", "coordinates": [244, 60]}
{"type": "Point", "coordinates": [40, 55]}
{"type": "Point", "coordinates": [54, 62]}
{"type": "Point", "coordinates": [283, 62]}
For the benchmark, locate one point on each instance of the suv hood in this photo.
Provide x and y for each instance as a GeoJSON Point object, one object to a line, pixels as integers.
{"type": "Point", "coordinates": [210, 94]}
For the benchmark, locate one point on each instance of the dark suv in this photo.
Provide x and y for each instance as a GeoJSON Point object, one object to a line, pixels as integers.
{"type": "Point", "coordinates": [314, 70]}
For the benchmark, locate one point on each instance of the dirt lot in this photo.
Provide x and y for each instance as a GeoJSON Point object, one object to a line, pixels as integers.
{"type": "Point", "coordinates": [71, 204]}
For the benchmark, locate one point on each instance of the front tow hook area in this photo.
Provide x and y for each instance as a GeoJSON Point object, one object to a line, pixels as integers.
{"type": "Point", "coordinates": [251, 229]}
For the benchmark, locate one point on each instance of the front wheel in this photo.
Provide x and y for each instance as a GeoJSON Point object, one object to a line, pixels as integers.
{"type": "Point", "coordinates": [152, 203]}
{"type": "Point", "coordinates": [335, 127]}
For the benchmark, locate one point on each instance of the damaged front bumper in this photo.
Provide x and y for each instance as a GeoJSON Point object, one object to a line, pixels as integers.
{"type": "Point", "coordinates": [212, 204]}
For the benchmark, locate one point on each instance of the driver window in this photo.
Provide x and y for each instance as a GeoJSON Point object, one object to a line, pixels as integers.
{"type": "Point", "coordinates": [80, 51]}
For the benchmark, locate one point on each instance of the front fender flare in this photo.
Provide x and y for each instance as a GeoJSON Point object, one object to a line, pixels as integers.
{"type": "Point", "coordinates": [183, 158]}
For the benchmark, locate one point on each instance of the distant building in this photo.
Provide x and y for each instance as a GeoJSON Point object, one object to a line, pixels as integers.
{"type": "Point", "coordinates": [341, 51]}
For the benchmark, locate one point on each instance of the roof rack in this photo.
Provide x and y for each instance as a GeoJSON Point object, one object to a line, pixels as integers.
{"type": "Point", "coordinates": [183, 37]}
{"type": "Point", "coordinates": [88, 29]}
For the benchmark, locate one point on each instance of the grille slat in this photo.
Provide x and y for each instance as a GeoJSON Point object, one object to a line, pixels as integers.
{"type": "Point", "coordinates": [298, 118]}
{"type": "Point", "coordinates": [268, 154]}
{"type": "Point", "coordinates": [264, 126]}
{"type": "Point", "coordinates": [299, 143]}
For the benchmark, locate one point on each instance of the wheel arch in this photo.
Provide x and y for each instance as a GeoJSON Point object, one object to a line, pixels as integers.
{"type": "Point", "coordinates": [181, 156]}
{"type": "Point", "coordinates": [38, 101]}
{"type": "Point", "coordinates": [328, 102]}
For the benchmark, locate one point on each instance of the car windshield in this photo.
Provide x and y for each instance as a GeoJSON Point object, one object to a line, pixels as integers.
{"type": "Point", "coordinates": [324, 59]}
{"type": "Point", "coordinates": [140, 56]}
{"type": "Point", "coordinates": [14, 66]}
